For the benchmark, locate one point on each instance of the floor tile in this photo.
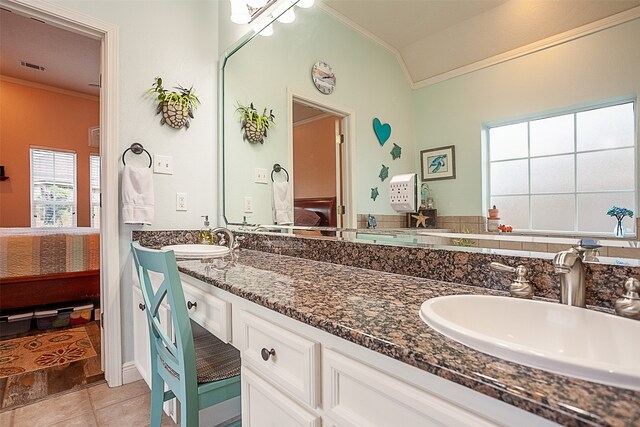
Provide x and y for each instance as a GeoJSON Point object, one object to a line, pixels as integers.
{"type": "Point", "coordinates": [6, 419]}
{"type": "Point", "coordinates": [87, 419]}
{"type": "Point", "coordinates": [132, 412]}
{"type": "Point", "coordinates": [103, 396]}
{"type": "Point", "coordinates": [65, 377]}
{"type": "Point", "coordinates": [25, 388]}
{"type": "Point", "coordinates": [53, 410]}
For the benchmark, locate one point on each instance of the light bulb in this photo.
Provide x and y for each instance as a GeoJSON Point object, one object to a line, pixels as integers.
{"type": "Point", "coordinates": [305, 3]}
{"type": "Point", "coordinates": [239, 12]}
{"type": "Point", "coordinates": [268, 31]}
{"type": "Point", "coordinates": [256, 4]}
{"type": "Point", "coordinates": [287, 17]}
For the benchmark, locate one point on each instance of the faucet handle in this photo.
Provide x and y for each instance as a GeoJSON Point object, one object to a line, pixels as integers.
{"type": "Point", "coordinates": [632, 286]}
{"type": "Point", "coordinates": [501, 267]}
{"type": "Point", "coordinates": [520, 287]}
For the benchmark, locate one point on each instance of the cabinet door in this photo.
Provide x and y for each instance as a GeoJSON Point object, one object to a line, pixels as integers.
{"type": "Point", "coordinates": [264, 406]}
{"type": "Point", "coordinates": [141, 350]}
{"type": "Point", "coordinates": [357, 395]}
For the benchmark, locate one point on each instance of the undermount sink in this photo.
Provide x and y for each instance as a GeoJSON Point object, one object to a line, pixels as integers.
{"type": "Point", "coordinates": [559, 338]}
{"type": "Point", "coordinates": [193, 251]}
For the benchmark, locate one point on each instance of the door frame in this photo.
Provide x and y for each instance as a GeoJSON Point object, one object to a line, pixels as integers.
{"type": "Point", "coordinates": [349, 130]}
{"type": "Point", "coordinates": [107, 33]}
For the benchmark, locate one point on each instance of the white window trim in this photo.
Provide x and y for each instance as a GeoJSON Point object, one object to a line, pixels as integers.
{"type": "Point", "coordinates": [486, 175]}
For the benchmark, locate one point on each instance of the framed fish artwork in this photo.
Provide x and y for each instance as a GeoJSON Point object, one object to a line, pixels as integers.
{"type": "Point", "coordinates": [438, 163]}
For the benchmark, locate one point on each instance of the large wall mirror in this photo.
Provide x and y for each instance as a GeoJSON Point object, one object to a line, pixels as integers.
{"type": "Point", "coordinates": [538, 98]}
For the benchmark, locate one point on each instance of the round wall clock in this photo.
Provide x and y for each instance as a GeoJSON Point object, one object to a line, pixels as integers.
{"type": "Point", "coordinates": [323, 77]}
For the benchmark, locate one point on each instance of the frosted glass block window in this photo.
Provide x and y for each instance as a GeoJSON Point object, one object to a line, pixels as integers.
{"type": "Point", "coordinates": [561, 173]}
{"type": "Point", "coordinates": [94, 195]}
{"type": "Point", "coordinates": [514, 210]}
{"type": "Point", "coordinates": [552, 136]}
{"type": "Point", "coordinates": [508, 142]}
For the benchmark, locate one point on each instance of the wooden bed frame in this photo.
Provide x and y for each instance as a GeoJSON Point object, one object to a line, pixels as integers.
{"type": "Point", "coordinates": [31, 291]}
{"type": "Point", "coordinates": [325, 207]}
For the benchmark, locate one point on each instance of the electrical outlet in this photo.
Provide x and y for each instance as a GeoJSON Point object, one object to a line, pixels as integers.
{"type": "Point", "coordinates": [163, 164]}
{"type": "Point", "coordinates": [260, 176]}
{"type": "Point", "coordinates": [181, 201]}
{"type": "Point", "coordinates": [248, 204]}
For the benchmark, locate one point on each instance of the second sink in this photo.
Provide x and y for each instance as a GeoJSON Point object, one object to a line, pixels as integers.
{"type": "Point", "coordinates": [198, 251]}
{"type": "Point", "coordinates": [562, 339]}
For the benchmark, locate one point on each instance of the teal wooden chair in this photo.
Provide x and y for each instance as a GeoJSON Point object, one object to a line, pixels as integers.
{"type": "Point", "coordinates": [199, 373]}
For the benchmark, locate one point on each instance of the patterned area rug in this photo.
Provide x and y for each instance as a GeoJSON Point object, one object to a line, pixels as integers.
{"type": "Point", "coordinates": [35, 352]}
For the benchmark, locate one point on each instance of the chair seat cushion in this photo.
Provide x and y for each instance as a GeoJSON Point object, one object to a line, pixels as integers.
{"type": "Point", "coordinates": [215, 360]}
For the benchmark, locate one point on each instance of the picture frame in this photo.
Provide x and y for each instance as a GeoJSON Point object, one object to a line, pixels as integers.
{"type": "Point", "coordinates": [438, 163]}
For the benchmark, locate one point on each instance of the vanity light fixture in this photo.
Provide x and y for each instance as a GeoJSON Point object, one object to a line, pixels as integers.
{"type": "Point", "coordinates": [246, 11]}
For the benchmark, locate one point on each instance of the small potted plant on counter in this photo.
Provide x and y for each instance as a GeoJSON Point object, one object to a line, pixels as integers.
{"type": "Point", "coordinates": [176, 106]}
{"type": "Point", "coordinates": [254, 124]}
{"type": "Point", "coordinates": [619, 213]}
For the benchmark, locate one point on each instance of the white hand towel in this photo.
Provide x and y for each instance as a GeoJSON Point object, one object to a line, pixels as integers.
{"type": "Point", "coordinates": [137, 195]}
{"type": "Point", "coordinates": [282, 203]}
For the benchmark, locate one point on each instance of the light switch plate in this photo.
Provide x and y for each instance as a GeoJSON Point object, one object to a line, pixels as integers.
{"type": "Point", "coordinates": [163, 164]}
{"type": "Point", "coordinates": [260, 176]}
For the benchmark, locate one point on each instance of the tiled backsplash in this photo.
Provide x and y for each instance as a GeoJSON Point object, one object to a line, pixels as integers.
{"type": "Point", "coordinates": [604, 282]}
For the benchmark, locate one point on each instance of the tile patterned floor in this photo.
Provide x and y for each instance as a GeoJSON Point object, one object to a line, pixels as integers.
{"type": "Point", "coordinates": [24, 389]}
{"type": "Point", "coordinates": [94, 406]}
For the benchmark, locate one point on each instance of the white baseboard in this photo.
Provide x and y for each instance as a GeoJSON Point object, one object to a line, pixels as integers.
{"type": "Point", "coordinates": [130, 373]}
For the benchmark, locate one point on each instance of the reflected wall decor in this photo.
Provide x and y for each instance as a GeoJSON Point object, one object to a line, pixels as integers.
{"type": "Point", "coordinates": [438, 163]}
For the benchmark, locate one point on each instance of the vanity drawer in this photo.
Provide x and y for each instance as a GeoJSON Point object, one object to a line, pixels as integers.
{"type": "Point", "coordinates": [208, 311]}
{"type": "Point", "coordinates": [357, 395]}
{"type": "Point", "coordinates": [264, 405]}
{"type": "Point", "coordinates": [292, 362]}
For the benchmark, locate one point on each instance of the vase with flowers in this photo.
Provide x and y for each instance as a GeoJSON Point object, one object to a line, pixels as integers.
{"type": "Point", "coordinates": [619, 213]}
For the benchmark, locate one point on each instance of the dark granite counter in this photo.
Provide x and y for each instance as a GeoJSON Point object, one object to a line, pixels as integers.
{"type": "Point", "coordinates": [379, 311]}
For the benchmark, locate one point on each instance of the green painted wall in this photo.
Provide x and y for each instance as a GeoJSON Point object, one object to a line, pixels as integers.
{"type": "Point", "coordinates": [370, 83]}
{"type": "Point", "coordinates": [598, 67]}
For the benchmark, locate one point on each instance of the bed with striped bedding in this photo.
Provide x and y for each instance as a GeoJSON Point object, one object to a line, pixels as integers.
{"type": "Point", "coordinates": [41, 266]}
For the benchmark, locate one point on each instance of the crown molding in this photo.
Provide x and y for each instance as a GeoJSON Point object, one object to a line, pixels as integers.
{"type": "Point", "coordinates": [48, 88]}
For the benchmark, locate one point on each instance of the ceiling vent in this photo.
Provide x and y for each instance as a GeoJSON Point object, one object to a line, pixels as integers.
{"type": "Point", "coordinates": [33, 66]}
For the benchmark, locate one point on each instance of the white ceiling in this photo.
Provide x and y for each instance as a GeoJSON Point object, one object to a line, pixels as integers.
{"type": "Point", "coordinates": [71, 61]}
{"type": "Point", "coordinates": [437, 36]}
{"type": "Point", "coordinates": [432, 37]}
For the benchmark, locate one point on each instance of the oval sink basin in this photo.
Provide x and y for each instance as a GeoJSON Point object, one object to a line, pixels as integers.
{"type": "Point", "coordinates": [566, 340]}
{"type": "Point", "coordinates": [198, 251]}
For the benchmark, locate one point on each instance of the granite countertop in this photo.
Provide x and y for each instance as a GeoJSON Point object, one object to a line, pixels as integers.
{"type": "Point", "coordinates": [380, 311]}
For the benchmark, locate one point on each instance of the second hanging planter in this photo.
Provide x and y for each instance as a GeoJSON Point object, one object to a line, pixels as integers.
{"type": "Point", "coordinates": [254, 124]}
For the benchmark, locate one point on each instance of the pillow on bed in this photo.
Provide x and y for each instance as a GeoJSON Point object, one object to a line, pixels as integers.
{"type": "Point", "coordinates": [306, 217]}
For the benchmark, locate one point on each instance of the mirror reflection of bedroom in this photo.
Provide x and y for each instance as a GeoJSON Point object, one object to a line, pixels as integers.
{"type": "Point", "coordinates": [49, 210]}
{"type": "Point", "coordinates": [318, 165]}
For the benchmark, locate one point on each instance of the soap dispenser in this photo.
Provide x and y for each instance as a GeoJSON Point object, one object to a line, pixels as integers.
{"type": "Point", "coordinates": [206, 237]}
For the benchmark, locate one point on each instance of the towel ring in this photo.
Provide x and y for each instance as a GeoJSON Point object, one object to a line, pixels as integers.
{"type": "Point", "coordinates": [137, 148]}
{"type": "Point", "coordinates": [278, 168]}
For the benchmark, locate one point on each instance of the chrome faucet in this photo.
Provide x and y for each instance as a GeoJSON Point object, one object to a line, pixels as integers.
{"type": "Point", "coordinates": [568, 264]}
{"type": "Point", "coordinates": [230, 238]}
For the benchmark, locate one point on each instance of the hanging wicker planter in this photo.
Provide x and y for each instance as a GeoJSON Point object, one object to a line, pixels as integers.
{"type": "Point", "coordinates": [253, 134]}
{"type": "Point", "coordinates": [174, 114]}
{"type": "Point", "coordinates": [176, 107]}
{"type": "Point", "coordinates": [254, 125]}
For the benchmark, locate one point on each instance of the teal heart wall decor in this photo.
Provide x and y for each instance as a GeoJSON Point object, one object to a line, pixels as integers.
{"type": "Point", "coordinates": [382, 131]}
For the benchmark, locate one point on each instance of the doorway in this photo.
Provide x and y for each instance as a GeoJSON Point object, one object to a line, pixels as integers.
{"type": "Point", "coordinates": [320, 164]}
{"type": "Point", "coordinates": [106, 210]}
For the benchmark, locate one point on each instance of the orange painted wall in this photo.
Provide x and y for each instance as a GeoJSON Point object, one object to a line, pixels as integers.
{"type": "Point", "coordinates": [32, 116]}
{"type": "Point", "coordinates": [314, 159]}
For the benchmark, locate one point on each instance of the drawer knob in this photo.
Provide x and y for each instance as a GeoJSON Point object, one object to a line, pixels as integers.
{"type": "Point", "coordinates": [141, 306]}
{"type": "Point", "coordinates": [190, 304]}
{"type": "Point", "coordinates": [267, 353]}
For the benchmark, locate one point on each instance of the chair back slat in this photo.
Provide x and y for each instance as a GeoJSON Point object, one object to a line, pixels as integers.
{"type": "Point", "coordinates": [179, 355]}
